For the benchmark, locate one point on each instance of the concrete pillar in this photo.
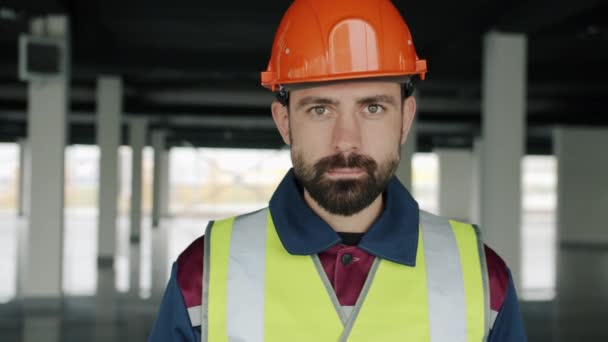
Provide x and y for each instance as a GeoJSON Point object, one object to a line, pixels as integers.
{"type": "Point", "coordinates": [158, 144]}
{"type": "Point", "coordinates": [582, 166]}
{"type": "Point", "coordinates": [582, 201]}
{"type": "Point", "coordinates": [405, 171]}
{"type": "Point", "coordinates": [503, 110]}
{"type": "Point", "coordinates": [24, 178]}
{"type": "Point", "coordinates": [475, 213]}
{"type": "Point", "coordinates": [48, 106]}
{"type": "Point", "coordinates": [109, 114]}
{"type": "Point", "coordinates": [165, 183]}
{"type": "Point", "coordinates": [137, 136]}
{"type": "Point", "coordinates": [455, 181]}
{"type": "Point", "coordinates": [160, 260]}
{"type": "Point", "coordinates": [47, 131]}
{"type": "Point", "coordinates": [41, 326]}
{"type": "Point", "coordinates": [23, 211]}
{"type": "Point", "coordinates": [160, 238]}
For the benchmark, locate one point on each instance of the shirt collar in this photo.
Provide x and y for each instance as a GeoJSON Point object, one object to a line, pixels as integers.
{"type": "Point", "coordinates": [394, 235]}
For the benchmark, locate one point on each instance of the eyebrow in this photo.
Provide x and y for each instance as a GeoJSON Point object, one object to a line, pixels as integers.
{"type": "Point", "coordinates": [377, 99]}
{"type": "Point", "coordinates": [315, 100]}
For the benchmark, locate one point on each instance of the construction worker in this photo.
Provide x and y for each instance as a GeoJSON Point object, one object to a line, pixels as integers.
{"type": "Point", "coordinates": [342, 253]}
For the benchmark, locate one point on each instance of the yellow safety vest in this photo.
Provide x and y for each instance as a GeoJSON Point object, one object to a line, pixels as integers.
{"type": "Point", "coordinates": [254, 290]}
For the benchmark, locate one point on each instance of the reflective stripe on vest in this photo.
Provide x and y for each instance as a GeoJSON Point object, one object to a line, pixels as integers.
{"type": "Point", "coordinates": [254, 290]}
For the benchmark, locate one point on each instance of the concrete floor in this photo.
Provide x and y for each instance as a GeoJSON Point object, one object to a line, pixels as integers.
{"type": "Point", "coordinates": [577, 313]}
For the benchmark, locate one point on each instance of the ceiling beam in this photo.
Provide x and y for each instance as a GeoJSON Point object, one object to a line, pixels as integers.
{"type": "Point", "coordinates": [535, 16]}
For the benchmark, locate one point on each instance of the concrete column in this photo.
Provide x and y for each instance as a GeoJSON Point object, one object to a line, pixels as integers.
{"type": "Point", "coordinates": [165, 184]}
{"type": "Point", "coordinates": [109, 120]}
{"type": "Point", "coordinates": [503, 110]}
{"type": "Point", "coordinates": [160, 260]}
{"type": "Point", "coordinates": [24, 178]}
{"type": "Point", "coordinates": [404, 171]}
{"type": "Point", "coordinates": [160, 236]}
{"type": "Point", "coordinates": [158, 144]}
{"type": "Point", "coordinates": [109, 113]}
{"type": "Point", "coordinates": [48, 106]}
{"type": "Point", "coordinates": [455, 181]}
{"type": "Point", "coordinates": [475, 214]}
{"type": "Point", "coordinates": [137, 136]}
{"type": "Point", "coordinates": [23, 211]}
{"type": "Point", "coordinates": [582, 200]}
{"type": "Point", "coordinates": [47, 131]}
{"type": "Point", "coordinates": [41, 326]}
{"type": "Point", "coordinates": [582, 166]}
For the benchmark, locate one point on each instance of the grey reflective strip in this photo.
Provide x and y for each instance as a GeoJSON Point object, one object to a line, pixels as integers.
{"type": "Point", "coordinates": [195, 314]}
{"type": "Point", "coordinates": [493, 316]}
{"type": "Point", "coordinates": [488, 322]}
{"type": "Point", "coordinates": [205, 297]}
{"type": "Point", "coordinates": [353, 316]}
{"type": "Point", "coordinates": [246, 275]}
{"type": "Point", "coordinates": [446, 296]}
{"type": "Point", "coordinates": [347, 310]}
{"type": "Point", "coordinates": [330, 290]}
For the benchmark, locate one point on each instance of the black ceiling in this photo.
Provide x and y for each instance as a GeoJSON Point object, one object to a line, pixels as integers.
{"type": "Point", "coordinates": [189, 64]}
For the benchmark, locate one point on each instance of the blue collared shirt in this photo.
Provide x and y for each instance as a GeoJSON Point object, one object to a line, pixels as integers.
{"type": "Point", "coordinates": [393, 236]}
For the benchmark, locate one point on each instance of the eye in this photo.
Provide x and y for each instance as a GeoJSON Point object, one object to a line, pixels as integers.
{"type": "Point", "coordinates": [319, 110]}
{"type": "Point", "coordinates": [374, 108]}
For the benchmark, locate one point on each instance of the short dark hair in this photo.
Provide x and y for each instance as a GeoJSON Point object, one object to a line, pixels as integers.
{"type": "Point", "coordinates": [407, 89]}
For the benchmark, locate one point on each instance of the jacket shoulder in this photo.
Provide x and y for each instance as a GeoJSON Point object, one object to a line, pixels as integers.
{"type": "Point", "coordinates": [498, 277]}
{"type": "Point", "coordinates": [190, 272]}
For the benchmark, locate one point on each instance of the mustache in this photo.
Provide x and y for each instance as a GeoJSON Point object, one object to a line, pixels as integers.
{"type": "Point", "coordinates": [346, 161]}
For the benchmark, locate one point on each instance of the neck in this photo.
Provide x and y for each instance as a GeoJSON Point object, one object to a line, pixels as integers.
{"type": "Point", "coordinates": [357, 223]}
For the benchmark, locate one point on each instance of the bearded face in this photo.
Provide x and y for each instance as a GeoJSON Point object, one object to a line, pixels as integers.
{"type": "Point", "coordinates": [344, 197]}
{"type": "Point", "coordinates": [345, 139]}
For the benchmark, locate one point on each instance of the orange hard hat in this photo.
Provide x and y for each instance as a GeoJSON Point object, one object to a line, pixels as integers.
{"type": "Point", "coordinates": [329, 40]}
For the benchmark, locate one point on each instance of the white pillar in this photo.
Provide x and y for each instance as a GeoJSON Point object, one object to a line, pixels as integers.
{"type": "Point", "coordinates": [158, 138]}
{"type": "Point", "coordinates": [503, 109]}
{"type": "Point", "coordinates": [23, 212]}
{"type": "Point", "coordinates": [109, 122]}
{"type": "Point", "coordinates": [42, 327]}
{"type": "Point", "coordinates": [165, 183]}
{"type": "Point", "coordinates": [475, 213]}
{"type": "Point", "coordinates": [582, 234]}
{"type": "Point", "coordinates": [24, 178]}
{"type": "Point", "coordinates": [160, 245]}
{"type": "Point", "coordinates": [582, 166]}
{"type": "Point", "coordinates": [48, 106]}
{"type": "Point", "coordinates": [137, 136]}
{"type": "Point", "coordinates": [109, 113]}
{"type": "Point", "coordinates": [47, 131]}
{"type": "Point", "coordinates": [455, 182]}
{"type": "Point", "coordinates": [160, 260]}
{"type": "Point", "coordinates": [405, 171]}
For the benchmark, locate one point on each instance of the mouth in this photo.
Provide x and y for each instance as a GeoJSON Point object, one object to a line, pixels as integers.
{"type": "Point", "coordinates": [345, 173]}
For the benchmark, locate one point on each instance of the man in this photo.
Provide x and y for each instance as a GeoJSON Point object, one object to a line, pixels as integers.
{"type": "Point", "coordinates": [342, 252]}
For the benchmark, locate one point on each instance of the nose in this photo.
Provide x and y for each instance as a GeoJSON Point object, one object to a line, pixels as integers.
{"type": "Point", "coordinates": [346, 134]}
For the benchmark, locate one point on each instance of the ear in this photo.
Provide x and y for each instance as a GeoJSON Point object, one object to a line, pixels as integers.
{"type": "Point", "coordinates": [280, 115]}
{"type": "Point", "coordinates": [409, 112]}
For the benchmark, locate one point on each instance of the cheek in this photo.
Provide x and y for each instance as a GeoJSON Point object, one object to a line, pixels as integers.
{"type": "Point", "coordinates": [311, 144]}
{"type": "Point", "coordinates": [310, 137]}
{"type": "Point", "coordinates": [382, 139]}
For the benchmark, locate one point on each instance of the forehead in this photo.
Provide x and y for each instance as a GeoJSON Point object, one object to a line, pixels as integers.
{"type": "Point", "coordinates": [346, 90]}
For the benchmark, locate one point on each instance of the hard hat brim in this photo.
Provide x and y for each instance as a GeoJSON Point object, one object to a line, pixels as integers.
{"type": "Point", "coordinates": [273, 84]}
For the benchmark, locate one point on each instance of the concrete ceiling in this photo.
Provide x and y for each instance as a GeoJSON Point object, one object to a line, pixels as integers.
{"type": "Point", "coordinates": [193, 66]}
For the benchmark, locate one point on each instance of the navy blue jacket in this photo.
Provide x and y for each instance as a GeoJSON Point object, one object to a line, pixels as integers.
{"type": "Point", "coordinates": [393, 236]}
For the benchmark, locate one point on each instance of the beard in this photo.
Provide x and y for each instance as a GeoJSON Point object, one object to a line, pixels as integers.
{"type": "Point", "coordinates": [344, 197]}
